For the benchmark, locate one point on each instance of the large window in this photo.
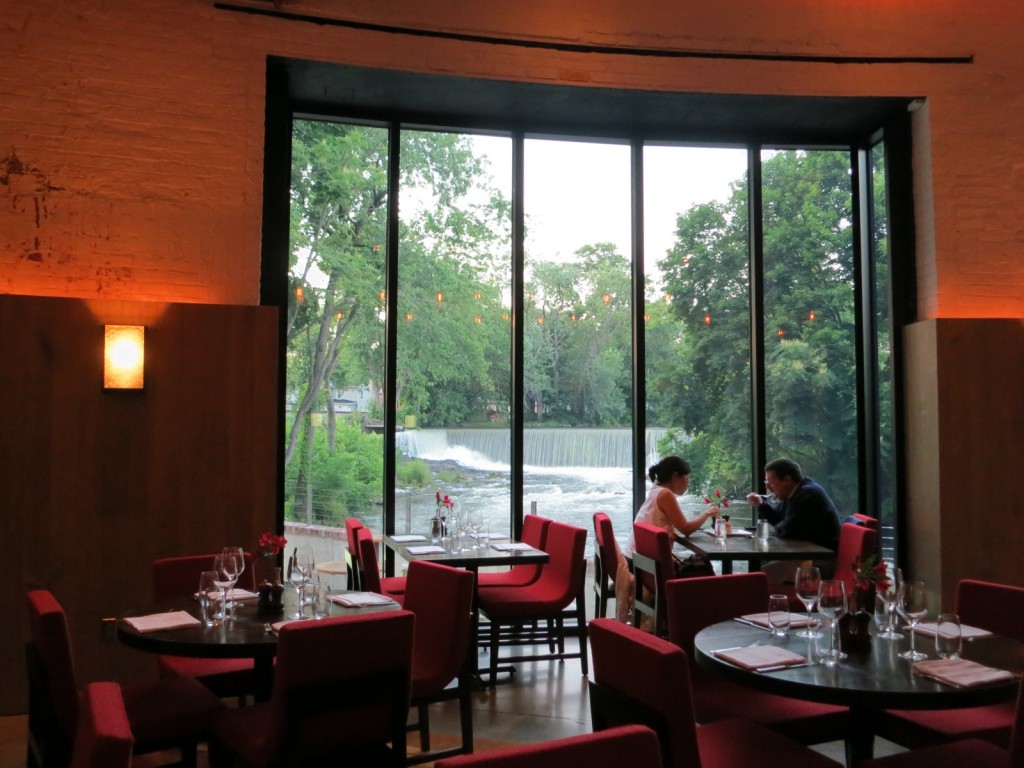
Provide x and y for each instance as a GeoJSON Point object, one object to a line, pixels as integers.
{"type": "Point", "coordinates": [464, 310]}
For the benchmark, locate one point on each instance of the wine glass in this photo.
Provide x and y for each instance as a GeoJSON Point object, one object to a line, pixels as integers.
{"type": "Point", "coordinates": [808, 588]}
{"type": "Point", "coordinates": [832, 606]}
{"type": "Point", "coordinates": [239, 556]}
{"type": "Point", "coordinates": [913, 607]}
{"type": "Point", "coordinates": [465, 527]}
{"type": "Point", "coordinates": [299, 572]}
{"type": "Point", "coordinates": [227, 574]}
{"type": "Point", "coordinates": [476, 524]}
{"type": "Point", "coordinates": [890, 596]}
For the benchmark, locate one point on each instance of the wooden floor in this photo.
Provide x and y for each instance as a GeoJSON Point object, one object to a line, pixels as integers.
{"type": "Point", "coordinates": [545, 700]}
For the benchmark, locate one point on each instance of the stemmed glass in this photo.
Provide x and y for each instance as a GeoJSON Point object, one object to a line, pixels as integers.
{"type": "Point", "coordinates": [226, 568]}
{"type": "Point", "coordinates": [913, 607]}
{"type": "Point", "coordinates": [808, 588]}
{"type": "Point", "coordinates": [890, 597]}
{"type": "Point", "coordinates": [465, 527]}
{"type": "Point", "coordinates": [239, 556]}
{"type": "Point", "coordinates": [832, 605]}
{"type": "Point", "coordinates": [476, 524]}
{"type": "Point", "coordinates": [299, 573]}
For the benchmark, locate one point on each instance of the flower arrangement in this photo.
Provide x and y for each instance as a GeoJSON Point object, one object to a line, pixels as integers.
{"type": "Point", "coordinates": [717, 499]}
{"type": "Point", "coordinates": [445, 505]}
{"type": "Point", "coordinates": [270, 544]}
{"type": "Point", "coordinates": [871, 571]}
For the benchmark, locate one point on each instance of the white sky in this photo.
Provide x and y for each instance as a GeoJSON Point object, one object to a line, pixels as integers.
{"type": "Point", "coordinates": [577, 193]}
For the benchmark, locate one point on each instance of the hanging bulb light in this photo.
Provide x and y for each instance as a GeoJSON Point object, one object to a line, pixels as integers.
{"type": "Point", "coordinates": [440, 297]}
{"type": "Point", "coordinates": [781, 333]}
{"type": "Point", "coordinates": [540, 321]}
{"type": "Point", "coordinates": [607, 298]}
{"type": "Point", "coordinates": [382, 296]}
{"type": "Point", "coordinates": [408, 316]}
{"type": "Point", "coordinates": [811, 316]}
{"type": "Point", "coordinates": [300, 294]}
{"type": "Point", "coordinates": [477, 295]}
{"type": "Point", "coordinates": [707, 318]}
{"type": "Point", "coordinates": [478, 320]}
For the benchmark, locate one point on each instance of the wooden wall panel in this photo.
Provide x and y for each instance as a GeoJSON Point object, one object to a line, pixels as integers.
{"type": "Point", "coordinates": [94, 485]}
{"type": "Point", "coordinates": [965, 416]}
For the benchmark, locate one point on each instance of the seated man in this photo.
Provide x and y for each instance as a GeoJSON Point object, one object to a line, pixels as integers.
{"type": "Point", "coordinates": [801, 510]}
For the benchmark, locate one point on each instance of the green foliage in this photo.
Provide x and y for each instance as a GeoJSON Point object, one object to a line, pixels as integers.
{"type": "Point", "coordinates": [410, 473]}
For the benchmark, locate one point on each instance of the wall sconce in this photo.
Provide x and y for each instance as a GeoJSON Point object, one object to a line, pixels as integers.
{"type": "Point", "coordinates": [124, 356]}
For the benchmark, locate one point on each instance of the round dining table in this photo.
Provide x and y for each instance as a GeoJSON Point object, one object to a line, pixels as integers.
{"type": "Point", "coordinates": [866, 682]}
{"type": "Point", "coordinates": [247, 635]}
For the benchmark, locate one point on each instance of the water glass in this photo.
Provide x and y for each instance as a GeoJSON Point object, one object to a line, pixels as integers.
{"type": "Point", "coordinates": [763, 531]}
{"type": "Point", "coordinates": [207, 586]}
{"type": "Point", "coordinates": [778, 615]}
{"type": "Point", "coordinates": [948, 637]}
{"type": "Point", "coordinates": [321, 599]}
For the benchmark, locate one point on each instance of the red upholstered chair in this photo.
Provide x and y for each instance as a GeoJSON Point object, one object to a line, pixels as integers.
{"type": "Point", "coordinates": [606, 563]}
{"type": "Point", "coordinates": [643, 679]}
{"type": "Point", "coordinates": [613, 748]}
{"type": "Point", "coordinates": [535, 532]}
{"type": "Point", "coordinates": [442, 600]}
{"type": "Point", "coordinates": [370, 579]}
{"type": "Point", "coordinates": [175, 577]}
{"type": "Point", "coordinates": [340, 695]}
{"type": "Point", "coordinates": [166, 714]}
{"type": "Point", "coordinates": [103, 738]}
{"type": "Point", "coordinates": [652, 566]}
{"type": "Point", "coordinates": [998, 608]}
{"type": "Point", "coordinates": [699, 602]}
{"type": "Point", "coordinates": [352, 525]}
{"type": "Point", "coordinates": [866, 520]}
{"type": "Point", "coordinates": [856, 543]}
{"type": "Point", "coordinates": [511, 610]}
{"type": "Point", "coordinates": [976, 753]}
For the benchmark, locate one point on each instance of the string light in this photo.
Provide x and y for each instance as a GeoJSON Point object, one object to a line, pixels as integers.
{"type": "Point", "coordinates": [811, 316]}
{"type": "Point", "coordinates": [781, 332]}
{"type": "Point", "coordinates": [440, 297]}
{"type": "Point", "coordinates": [382, 296]}
{"type": "Point", "coordinates": [606, 298]}
{"type": "Point", "coordinates": [408, 316]}
{"type": "Point", "coordinates": [300, 294]}
{"type": "Point", "coordinates": [540, 321]}
{"type": "Point", "coordinates": [478, 320]}
{"type": "Point", "coordinates": [477, 295]}
{"type": "Point", "coordinates": [707, 318]}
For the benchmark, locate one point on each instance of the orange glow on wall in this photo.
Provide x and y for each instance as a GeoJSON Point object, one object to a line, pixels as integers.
{"type": "Point", "coordinates": [124, 356]}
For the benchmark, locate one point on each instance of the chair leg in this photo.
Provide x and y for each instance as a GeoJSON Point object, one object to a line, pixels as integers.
{"type": "Point", "coordinates": [466, 712]}
{"type": "Point", "coordinates": [423, 716]}
{"type": "Point", "coordinates": [495, 632]}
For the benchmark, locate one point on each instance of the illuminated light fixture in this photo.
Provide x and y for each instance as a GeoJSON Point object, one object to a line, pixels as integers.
{"type": "Point", "coordinates": [339, 315]}
{"type": "Point", "coordinates": [477, 295]}
{"type": "Point", "coordinates": [504, 316]}
{"type": "Point", "coordinates": [781, 332]}
{"type": "Point", "coordinates": [647, 316]}
{"type": "Point", "coordinates": [573, 317]}
{"type": "Point", "coordinates": [540, 321]}
{"type": "Point", "coordinates": [440, 297]}
{"type": "Point", "coordinates": [382, 295]}
{"type": "Point", "coordinates": [668, 298]}
{"type": "Point", "coordinates": [300, 294]}
{"type": "Point", "coordinates": [375, 248]}
{"type": "Point", "coordinates": [811, 316]}
{"type": "Point", "coordinates": [408, 316]}
{"type": "Point", "coordinates": [478, 320]}
{"type": "Point", "coordinates": [707, 318]}
{"type": "Point", "coordinates": [124, 356]}
{"type": "Point", "coordinates": [606, 298]}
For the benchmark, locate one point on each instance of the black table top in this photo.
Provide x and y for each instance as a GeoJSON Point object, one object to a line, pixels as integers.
{"type": "Point", "coordinates": [876, 679]}
{"type": "Point", "coordinates": [249, 635]}
{"type": "Point", "coordinates": [739, 547]}
{"type": "Point", "coordinates": [472, 559]}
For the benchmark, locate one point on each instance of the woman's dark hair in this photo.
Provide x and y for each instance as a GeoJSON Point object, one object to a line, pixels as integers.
{"type": "Point", "coordinates": [664, 470]}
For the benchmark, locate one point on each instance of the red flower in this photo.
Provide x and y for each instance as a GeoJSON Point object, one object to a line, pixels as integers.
{"type": "Point", "coordinates": [871, 570]}
{"type": "Point", "coordinates": [718, 500]}
{"type": "Point", "coordinates": [270, 544]}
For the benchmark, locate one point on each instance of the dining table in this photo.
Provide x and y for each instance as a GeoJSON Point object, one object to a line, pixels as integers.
{"type": "Point", "coordinates": [494, 551]}
{"type": "Point", "coordinates": [867, 681]}
{"type": "Point", "coordinates": [249, 634]}
{"type": "Point", "coordinates": [743, 545]}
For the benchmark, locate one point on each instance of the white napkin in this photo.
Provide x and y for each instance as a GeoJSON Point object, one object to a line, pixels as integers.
{"type": "Point", "coordinates": [429, 549]}
{"type": "Point", "coordinates": [512, 546]}
{"type": "Point", "coordinates": [233, 594]}
{"type": "Point", "coordinates": [759, 657]}
{"type": "Point", "coordinates": [159, 621]}
{"type": "Point", "coordinates": [742, 532]}
{"type": "Point", "coordinates": [402, 538]}
{"type": "Point", "coordinates": [961, 672]}
{"type": "Point", "coordinates": [761, 620]}
{"type": "Point", "coordinates": [360, 599]}
{"type": "Point", "coordinates": [967, 633]}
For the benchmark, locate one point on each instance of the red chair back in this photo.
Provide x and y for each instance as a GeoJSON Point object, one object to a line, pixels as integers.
{"type": "Point", "coordinates": [655, 543]}
{"type": "Point", "coordinates": [442, 600]}
{"type": "Point", "coordinates": [340, 684]}
{"type": "Point", "coordinates": [51, 645]}
{"type": "Point", "coordinates": [607, 546]}
{"type": "Point", "coordinates": [175, 577]}
{"type": "Point", "coordinates": [856, 544]}
{"type": "Point", "coordinates": [535, 531]}
{"type": "Point", "coordinates": [998, 608]}
{"type": "Point", "coordinates": [562, 579]}
{"type": "Point", "coordinates": [628, 745]}
{"type": "Point", "coordinates": [866, 520]}
{"type": "Point", "coordinates": [369, 568]}
{"type": "Point", "coordinates": [104, 736]}
{"type": "Point", "coordinates": [352, 525]}
{"type": "Point", "coordinates": [700, 602]}
{"type": "Point", "coordinates": [650, 672]}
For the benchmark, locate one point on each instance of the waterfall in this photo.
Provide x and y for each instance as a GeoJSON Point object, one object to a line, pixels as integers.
{"type": "Point", "coordinates": [542, 447]}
